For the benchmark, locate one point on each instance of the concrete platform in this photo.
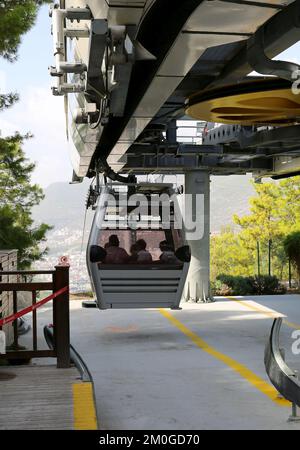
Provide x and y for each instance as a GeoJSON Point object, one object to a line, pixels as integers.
{"type": "Point", "coordinates": [199, 368]}
{"type": "Point", "coordinates": [39, 397]}
{"type": "Point", "coordinates": [152, 373]}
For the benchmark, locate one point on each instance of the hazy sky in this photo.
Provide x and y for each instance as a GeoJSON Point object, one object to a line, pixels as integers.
{"type": "Point", "coordinates": [38, 111]}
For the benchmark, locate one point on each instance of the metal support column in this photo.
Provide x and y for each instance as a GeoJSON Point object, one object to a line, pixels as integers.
{"type": "Point", "coordinates": [171, 133]}
{"type": "Point", "coordinates": [197, 287]}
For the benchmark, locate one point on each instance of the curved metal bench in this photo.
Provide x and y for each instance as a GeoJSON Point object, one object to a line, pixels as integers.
{"type": "Point", "coordinates": [281, 376]}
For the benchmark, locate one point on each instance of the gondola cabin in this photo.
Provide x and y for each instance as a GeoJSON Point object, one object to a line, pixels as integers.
{"type": "Point", "coordinates": [136, 254]}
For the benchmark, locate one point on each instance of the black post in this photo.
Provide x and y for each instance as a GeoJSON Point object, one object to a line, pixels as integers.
{"type": "Point", "coordinates": [61, 317]}
{"type": "Point", "coordinates": [258, 259]}
{"type": "Point", "coordinates": [290, 274]}
{"type": "Point", "coordinates": [15, 322]}
{"type": "Point", "coordinates": [171, 133]}
{"type": "Point", "coordinates": [270, 251]}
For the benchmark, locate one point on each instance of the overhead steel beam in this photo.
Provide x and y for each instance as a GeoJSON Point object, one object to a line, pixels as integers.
{"type": "Point", "coordinates": [260, 62]}
{"type": "Point", "coordinates": [181, 164]}
{"type": "Point", "coordinates": [176, 149]}
{"type": "Point", "coordinates": [280, 33]}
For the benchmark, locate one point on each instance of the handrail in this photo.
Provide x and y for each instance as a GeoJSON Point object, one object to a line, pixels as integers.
{"type": "Point", "coordinates": [74, 355]}
{"type": "Point", "coordinates": [280, 374]}
{"type": "Point", "coordinates": [59, 286]}
{"type": "Point", "coordinates": [27, 272]}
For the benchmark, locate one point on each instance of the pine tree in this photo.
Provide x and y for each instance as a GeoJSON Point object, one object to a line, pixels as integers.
{"type": "Point", "coordinates": [17, 197]}
{"type": "Point", "coordinates": [17, 194]}
{"type": "Point", "coordinates": [16, 18]}
{"type": "Point", "coordinates": [274, 215]}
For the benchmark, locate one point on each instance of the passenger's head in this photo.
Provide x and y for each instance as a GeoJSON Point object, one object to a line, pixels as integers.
{"type": "Point", "coordinates": [163, 246]}
{"type": "Point", "coordinates": [134, 249]}
{"type": "Point", "coordinates": [141, 244]}
{"type": "Point", "coordinates": [113, 240]}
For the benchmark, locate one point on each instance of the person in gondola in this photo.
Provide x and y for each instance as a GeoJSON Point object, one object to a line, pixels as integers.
{"type": "Point", "coordinates": [133, 254]}
{"type": "Point", "coordinates": [143, 255]}
{"type": "Point", "coordinates": [167, 254]}
{"type": "Point", "coordinates": [114, 253]}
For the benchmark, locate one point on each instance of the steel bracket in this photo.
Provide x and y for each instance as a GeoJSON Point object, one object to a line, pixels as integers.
{"type": "Point", "coordinates": [261, 63]}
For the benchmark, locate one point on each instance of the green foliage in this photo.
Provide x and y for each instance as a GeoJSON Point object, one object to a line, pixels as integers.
{"type": "Point", "coordinates": [17, 233]}
{"type": "Point", "coordinates": [274, 214]}
{"type": "Point", "coordinates": [236, 285]}
{"type": "Point", "coordinates": [15, 172]}
{"type": "Point", "coordinates": [7, 100]}
{"type": "Point", "coordinates": [229, 255]}
{"type": "Point", "coordinates": [263, 222]}
{"type": "Point", "coordinates": [17, 197]}
{"type": "Point", "coordinates": [17, 194]}
{"type": "Point", "coordinates": [292, 249]}
{"type": "Point", "coordinates": [16, 18]}
{"type": "Point", "coordinates": [267, 285]}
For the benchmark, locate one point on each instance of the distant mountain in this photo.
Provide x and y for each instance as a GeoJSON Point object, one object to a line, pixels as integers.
{"type": "Point", "coordinates": [64, 204]}
{"type": "Point", "coordinates": [229, 195]}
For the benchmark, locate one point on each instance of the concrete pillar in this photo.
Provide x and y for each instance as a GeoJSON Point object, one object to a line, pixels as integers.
{"type": "Point", "coordinates": [197, 287]}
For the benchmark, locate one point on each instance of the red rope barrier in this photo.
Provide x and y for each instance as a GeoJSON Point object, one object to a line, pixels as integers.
{"type": "Point", "coordinates": [27, 310]}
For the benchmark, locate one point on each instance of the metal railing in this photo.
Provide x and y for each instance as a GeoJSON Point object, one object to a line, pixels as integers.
{"type": "Point", "coordinates": [281, 376]}
{"type": "Point", "coordinates": [60, 314]}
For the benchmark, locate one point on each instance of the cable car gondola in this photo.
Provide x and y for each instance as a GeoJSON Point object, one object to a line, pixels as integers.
{"type": "Point", "coordinates": [134, 284]}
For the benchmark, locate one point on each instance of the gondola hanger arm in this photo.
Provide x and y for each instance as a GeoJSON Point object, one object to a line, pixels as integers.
{"type": "Point", "coordinates": [262, 64]}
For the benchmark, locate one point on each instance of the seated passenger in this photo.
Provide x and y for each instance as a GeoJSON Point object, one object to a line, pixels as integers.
{"type": "Point", "coordinates": [143, 256]}
{"type": "Point", "coordinates": [133, 254]}
{"type": "Point", "coordinates": [114, 253]}
{"type": "Point", "coordinates": [167, 254]}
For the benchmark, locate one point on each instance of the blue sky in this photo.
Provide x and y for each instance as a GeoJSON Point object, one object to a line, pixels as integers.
{"type": "Point", "coordinates": [35, 55]}
{"type": "Point", "coordinates": [38, 111]}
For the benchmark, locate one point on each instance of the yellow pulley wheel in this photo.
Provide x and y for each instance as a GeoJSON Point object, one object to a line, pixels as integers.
{"type": "Point", "coordinates": [259, 102]}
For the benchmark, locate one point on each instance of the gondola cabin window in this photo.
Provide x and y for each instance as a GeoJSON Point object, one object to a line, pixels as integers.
{"type": "Point", "coordinates": [153, 238]}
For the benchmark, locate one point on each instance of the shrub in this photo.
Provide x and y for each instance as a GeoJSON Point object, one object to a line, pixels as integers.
{"type": "Point", "coordinates": [219, 288]}
{"type": "Point", "coordinates": [266, 285]}
{"type": "Point", "coordinates": [236, 285]}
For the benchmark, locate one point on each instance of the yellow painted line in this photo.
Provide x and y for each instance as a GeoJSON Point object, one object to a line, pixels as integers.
{"type": "Point", "coordinates": [291, 325]}
{"type": "Point", "coordinates": [262, 311]}
{"type": "Point", "coordinates": [84, 409]}
{"type": "Point", "coordinates": [260, 384]}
